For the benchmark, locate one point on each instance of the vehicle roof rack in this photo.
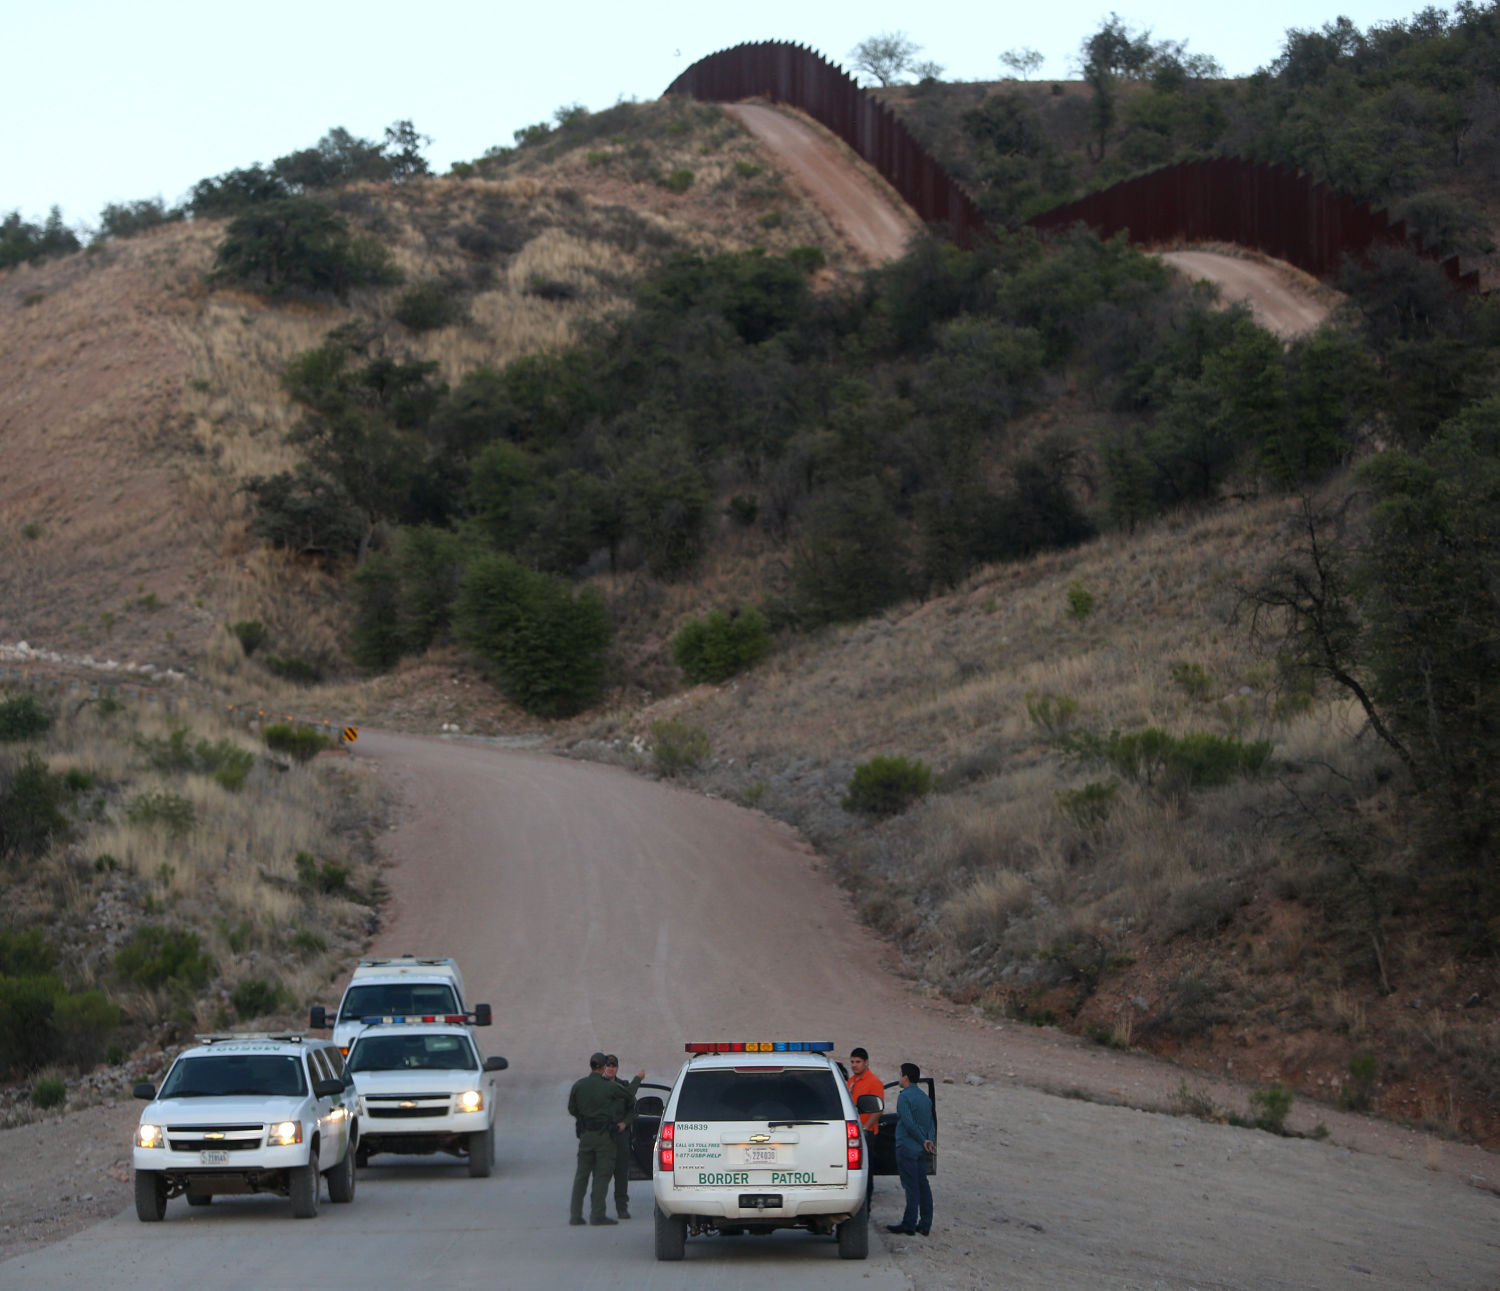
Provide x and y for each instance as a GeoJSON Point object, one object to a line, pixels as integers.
{"type": "Point", "coordinates": [382, 960]}
{"type": "Point", "coordinates": [216, 1037]}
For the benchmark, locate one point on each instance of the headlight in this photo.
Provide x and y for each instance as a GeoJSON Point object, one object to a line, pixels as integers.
{"type": "Point", "coordinates": [149, 1136]}
{"type": "Point", "coordinates": [285, 1133]}
{"type": "Point", "coordinates": [471, 1100]}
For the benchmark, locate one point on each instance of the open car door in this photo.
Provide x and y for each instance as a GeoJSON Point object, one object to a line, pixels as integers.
{"type": "Point", "coordinates": [643, 1131]}
{"type": "Point", "coordinates": [883, 1148]}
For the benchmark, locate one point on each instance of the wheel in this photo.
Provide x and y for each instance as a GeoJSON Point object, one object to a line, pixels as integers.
{"type": "Point", "coordinates": [482, 1153]}
{"type": "Point", "coordinates": [199, 1199]}
{"type": "Point", "coordinates": [362, 1156]}
{"type": "Point", "coordinates": [150, 1196]}
{"type": "Point", "coordinates": [671, 1235]}
{"type": "Point", "coordinates": [854, 1235]}
{"type": "Point", "coordinates": [341, 1179]}
{"type": "Point", "coordinates": [304, 1184]}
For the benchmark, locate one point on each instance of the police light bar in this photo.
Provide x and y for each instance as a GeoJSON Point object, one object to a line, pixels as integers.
{"type": "Point", "coordinates": [399, 1019]}
{"type": "Point", "coordinates": [759, 1046]}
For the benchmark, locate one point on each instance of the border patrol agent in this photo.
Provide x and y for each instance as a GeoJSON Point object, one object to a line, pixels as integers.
{"type": "Point", "coordinates": [622, 1136]}
{"type": "Point", "coordinates": [597, 1106]}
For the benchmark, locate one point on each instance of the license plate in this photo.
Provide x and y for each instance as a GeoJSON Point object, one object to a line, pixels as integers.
{"type": "Point", "coordinates": [758, 1155]}
{"type": "Point", "coordinates": [213, 1156]}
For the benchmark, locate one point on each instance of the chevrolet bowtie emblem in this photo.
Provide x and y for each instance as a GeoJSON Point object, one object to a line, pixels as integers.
{"type": "Point", "coordinates": [406, 1102]}
{"type": "Point", "coordinates": [760, 1138]}
{"type": "Point", "coordinates": [213, 1134]}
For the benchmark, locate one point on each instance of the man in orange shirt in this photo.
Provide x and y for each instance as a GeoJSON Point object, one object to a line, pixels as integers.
{"type": "Point", "coordinates": [864, 1081]}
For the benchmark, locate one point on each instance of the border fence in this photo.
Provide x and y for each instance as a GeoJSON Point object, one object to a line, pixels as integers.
{"type": "Point", "coordinates": [1274, 209]}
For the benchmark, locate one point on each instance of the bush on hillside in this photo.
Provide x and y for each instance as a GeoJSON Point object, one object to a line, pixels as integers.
{"type": "Point", "coordinates": [126, 219]}
{"type": "Point", "coordinates": [546, 644]}
{"type": "Point", "coordinates": [297, 244]}
{"type": "Point", "coordinates": [31, 801]}
{"type": "Point", "coordinates": [887, 786]}
{"type": "Point", "coordinates": [22, 717]}
{"type": "Point", "coordinates": [678, 746]}
{"type": "Point", "coordinates": [22, 241]}
{"type": "Point", "coordinates": [156, 956]}
{"type": "Point", "coordinates": [719, 645]}
{"type": "Point", "coordinates": [301, 742]}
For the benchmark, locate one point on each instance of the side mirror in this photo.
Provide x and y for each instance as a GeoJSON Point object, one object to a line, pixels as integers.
{"type": "Point", "coordinates": [145, 1090]}
{"type": "Point", "coordinates": [497, 1063]}
{"type": "Point", "coordinates": [867, 1103]}
{"type": "Point", "coordinates": [317, 1020]}
{"type": "Point", "coordinates": [481, 1015]}
{"type": "Point", "coordinates": [330, 1088]}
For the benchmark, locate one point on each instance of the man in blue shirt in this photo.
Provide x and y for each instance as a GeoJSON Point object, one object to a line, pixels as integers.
{"type": "Point", "coordinates": [914, 1139]}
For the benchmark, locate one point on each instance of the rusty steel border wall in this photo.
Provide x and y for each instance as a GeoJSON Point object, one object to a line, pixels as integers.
{"type": "Point", "coordinates": [802, 78]}
{"type": "Point", "coordinates": [1274, 209]}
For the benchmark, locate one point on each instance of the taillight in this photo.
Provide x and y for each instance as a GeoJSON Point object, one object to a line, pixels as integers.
{"type": "Point", "coordinates": [664, 1150]}
{"type": "Point", "coordinates": [856, 1144]}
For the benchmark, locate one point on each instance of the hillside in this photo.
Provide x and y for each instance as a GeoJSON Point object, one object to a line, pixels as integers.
{"type": "Point", "coordinates": [999, 513]}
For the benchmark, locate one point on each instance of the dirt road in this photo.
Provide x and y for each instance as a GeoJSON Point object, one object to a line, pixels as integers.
{"type": "Point", "coordinates": [595, 909]}
{"type": "Point", "coordinates": [876, 223]}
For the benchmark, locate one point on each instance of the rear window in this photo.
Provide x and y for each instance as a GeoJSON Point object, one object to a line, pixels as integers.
{"type": "Point", "coordinates": [770, 1095]}
{"type": "Point", "coordinates": [398, 998]}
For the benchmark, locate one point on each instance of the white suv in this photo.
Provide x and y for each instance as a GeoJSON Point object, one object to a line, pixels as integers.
{"type": "Point", "coordinates": [424, 1087]}
{"type": "Point", "coordinates": [406, 985]}
{"type": "Point", "coordinates": [248, 1112]}
{"type": "Point", "coordinates": [758, 1136]}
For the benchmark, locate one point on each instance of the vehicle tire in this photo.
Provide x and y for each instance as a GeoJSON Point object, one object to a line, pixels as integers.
{"type": "Point", "coordinates": [150, 1196]}
{"type": "Point", "coordinates": [671, 1235]}
{"type": "Point", "coordinates": [304, 1184]}
{"type": "Point", "coordinates": [854, 1235]}
{"type": "Point", "coordinates": [482, 1153]}
{"type": "Point", "coordinates": [341, 1179]}
{"type": "Point", "coordinates": [362, 1156]}
{"type": "Point", "coordinates": [199, 1199]}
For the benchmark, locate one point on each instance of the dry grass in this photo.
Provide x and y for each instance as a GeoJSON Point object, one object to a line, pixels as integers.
{"type": "Point", "coordinates": [231, 876]}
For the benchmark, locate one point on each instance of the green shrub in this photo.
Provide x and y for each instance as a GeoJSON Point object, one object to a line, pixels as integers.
{"type": "Point", "coordinates": [429, 306]}
{"type": "Point", "coordinates": [1080, 600]}
{"type": "Point", "coordinates": [290, 667]}
{"type": "Point", "coordinates": [80, 1023]}
{"type": "Point", "coordinates": [679, 181]}
{"type": "Point", "coordinates": [546, 643]}
{"type": "Point", "coordinates": [76, 780]}
{"type": "Point", "coordinates": [251, 634]}
{"type": "Point", "coordinates": [1269, 1108]}
{"type": "Point", "coordinates": [1193, 679]}
{"type": "Point", "coordinates": [22, 717]}
{"type": "Point", "coordinates": [26, 1007]}
{"type": "Point", "coordinates": [49, 1091]}
{"type": "Point", "coordinates": [719, 645]}
{"type": "Point", "coordinates": [326, 877]}
{"type": "Point", "coordinates": [887, 786]}
{"type": "Point", "coordinates": [1050, 713]}
{"type": "Point", "coordinates": [227, 762]}
{"type": "Point", "coordinates": [255, 997]}
{"type": "Point", "coordinates": [301, 742]}
{"type": "Point", "coordinates": [26, 953]}
{"type": "Point", "coordinates": [808, 260]}
{"type": "Point", "coordinates": [31, 799]}
{"type": "Point", "coordinates": [158, 956]}
{"type": "Point", "coordinates": [1152, 757]}
{"type": "Point", "coordinates": [308, 943]}
{"type": "Point", "coordinates": [114, 1053]}
{"type": "Point", "coordinates": [1364, 1072]}
{"type": "Point", "coordinates": [297, 244]}
{"type": "Point", "coordinates": [677, 746]}
{"type": "Point", "coordinates": [171, 811]}
{"type": "Point", "coordinates": [31, 531]}
{"type": "Point", "coordinates": [1089, 805]}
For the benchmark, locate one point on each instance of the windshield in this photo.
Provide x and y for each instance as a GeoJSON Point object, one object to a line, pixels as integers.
{"type": "Point", "coordinates": [217, 1075]}
{"type": "Point", "coordinates": [412, 1053]}
{"type": "Point", "coordinates": [401, 999]}
{"type": "Point", "coordinates": [772, 1095]}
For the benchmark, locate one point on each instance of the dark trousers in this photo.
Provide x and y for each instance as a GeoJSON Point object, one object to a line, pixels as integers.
{"type": "Point", "coordinates": [911, 1165]}
{"type": "Point", "coordinates": [596, 1161]}
{"type": "Point", "coordinates": [622, 1169]}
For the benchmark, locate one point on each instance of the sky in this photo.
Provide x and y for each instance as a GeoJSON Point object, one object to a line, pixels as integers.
{"type": "Point", "coordinates": [112, 102]}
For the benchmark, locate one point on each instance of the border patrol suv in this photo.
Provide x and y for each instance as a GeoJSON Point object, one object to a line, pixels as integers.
{"type": "Point", "coordinates": [424, 1087]}
{"type": "Point", "coordinates": [403, 985]}
{"type": "Point", "coordinates": [757, 1136]}
{"type": "Point", "coordinates": [248, 1112]}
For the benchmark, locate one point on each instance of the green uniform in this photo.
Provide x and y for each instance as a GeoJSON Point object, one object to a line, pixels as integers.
{"type": "Point", "coordinates": [622, 1147]}
{"type": "Point", "coordinates": [596, 1106]}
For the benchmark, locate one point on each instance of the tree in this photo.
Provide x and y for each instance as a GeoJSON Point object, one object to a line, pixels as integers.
{"type": "Point", "coordinates": [403, 151]}
{"type": "Point", "coordinates": [297, 244]}
{"type": "Point", "coordinates": [22, 241]}
{"type": "Point", "coordinates": [125, 219]}
{"type": "Point", "coordinates": [1023, 62]}
{"type": "Point", "coordinates": [236, 191]}
{"type": "Point", "coordinates": [885, 57]}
